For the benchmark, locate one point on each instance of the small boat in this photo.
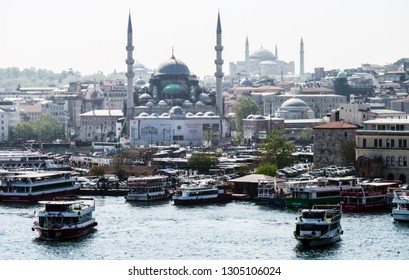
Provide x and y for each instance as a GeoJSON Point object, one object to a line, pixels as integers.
{"type": "Point", "coordinates": [150, 188]}
{"type": "Point", "coordinates": [318, 226]}
{"type": "Point", "coordinates": [65, 218]}
{"type": "Point", "coordinates": [400, 211]}
{"type": "Point", "coordinates": [208, 191]}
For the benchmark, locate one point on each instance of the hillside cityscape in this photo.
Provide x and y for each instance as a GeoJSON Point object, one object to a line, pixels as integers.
{"type": "Point", "coordinates": [343, 117]}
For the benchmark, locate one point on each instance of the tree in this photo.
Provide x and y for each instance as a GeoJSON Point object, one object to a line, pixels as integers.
{"type": "Point", "coordinates": [305, 137]}
{"type": "Point", "coordinates": [47, 128]}
{"type": "Point", "coordinates": [277, 150]}
{"type": "Point", "coordinates": [266, 169]}
{"type": "Point", "coordinates": [247, 106]}
{"type": "Point", "coordinates": [202, 161]}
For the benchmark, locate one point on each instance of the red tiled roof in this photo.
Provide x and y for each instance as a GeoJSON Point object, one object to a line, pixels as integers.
{"type": "Point", "coordinates": [336, 125]}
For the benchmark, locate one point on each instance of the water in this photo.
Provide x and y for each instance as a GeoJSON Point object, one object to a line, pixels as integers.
{"type": "Point", "coordinates": [237, 230]}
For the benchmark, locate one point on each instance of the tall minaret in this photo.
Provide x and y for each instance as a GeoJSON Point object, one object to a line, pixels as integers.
{"type": "Point", "coordinates": [246, 56]}
{"type": "Point", "coordinates": [129, 74]}
{"type": "Point", "coordinates": [276, 54]}
{"type": "Point", "coordinates": [302, 58]}
{"type": "Point", "coordinates": [219, 71]}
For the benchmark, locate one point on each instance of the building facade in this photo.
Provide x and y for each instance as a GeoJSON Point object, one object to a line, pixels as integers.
{"type": "Point", "coordinates": [382, 149]}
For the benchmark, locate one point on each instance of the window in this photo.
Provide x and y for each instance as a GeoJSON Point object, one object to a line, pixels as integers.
{"type": "Point", "coordinates": [392, 143]}
{"type": "Point", "coordinates": [364, 143]}
{"type": "Point", "coordinates": [380, 143]}
{"type": "Point", "coordinates": [375, 143]}
{"type": "Point", "coordinates": [404, 161]}
{"type": "Point", "coordinates": [400, 161]}
{"type": "Point", "coordinates": [387, 143]}
{"type": "Point", "coordinates": [392, 161]}
{"type": "Point", "coordinates": [388, 161]}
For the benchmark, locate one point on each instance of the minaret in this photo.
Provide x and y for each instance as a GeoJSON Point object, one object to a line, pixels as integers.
{"type": "Point", "coordinates": [276, 52]}
{"type": "Point", "coordinates": [219, 71]}
{"type": "Point", "coordinates": [302, 58]}
{"type": "Point", "coordinates": [246, 56]}
{"type": "Point", "coordinates": [129, 74]}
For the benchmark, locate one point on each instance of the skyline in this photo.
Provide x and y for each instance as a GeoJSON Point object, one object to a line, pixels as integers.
{"type": "Point", "coordinates": [90, 36]}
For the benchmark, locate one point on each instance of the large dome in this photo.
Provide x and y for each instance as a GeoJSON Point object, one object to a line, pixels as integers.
{"type": "Point", "coordinates": [262, 54]}
{"type": "Point", "coordinates": [173, 66]}
{"type": "Point", "coordinates": [294, 102]}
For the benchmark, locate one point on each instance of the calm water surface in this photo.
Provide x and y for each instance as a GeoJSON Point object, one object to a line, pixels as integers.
{"type": "Point", "coordinates": [237, 230]}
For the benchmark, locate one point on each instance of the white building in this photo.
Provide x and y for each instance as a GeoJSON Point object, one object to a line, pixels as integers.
{"type": "Point", "coordinates": [175, 127]}
{"type": "Point", "coordinates": [99, 125]}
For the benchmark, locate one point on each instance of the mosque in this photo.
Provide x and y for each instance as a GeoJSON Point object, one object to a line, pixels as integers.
{"type": "Point", "coordinates": [172, 108]}
{"type": "Point", "coordinates": [261, 62]}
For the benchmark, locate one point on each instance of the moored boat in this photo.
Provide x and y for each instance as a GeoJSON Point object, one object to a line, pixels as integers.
{"type": "Point", "coordinates": [32, 186]}
{"type": "Point", "coordinates": [319, 226]}
{"type": "Point", "coordinates": [271, 194]}
{"type": "Point", "coordinates": [307, 193]}
{"type": "Point", "coordinates": [367, 197]}
{"type": "Point", "coordinates": [65, 218]}
{"type": "Point", "coordinates": [208, 191]}
{"type": "Point", "coordinates": [400, 211]}
{"type": "Point", "coordinates": [150, 188]}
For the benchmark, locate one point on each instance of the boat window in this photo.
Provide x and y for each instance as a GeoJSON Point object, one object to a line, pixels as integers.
{"type": "Point", "coordinates": [313, 215]}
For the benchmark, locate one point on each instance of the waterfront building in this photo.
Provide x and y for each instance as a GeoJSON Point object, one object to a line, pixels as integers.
{"type": "Point", "coordinates": [382, 148]}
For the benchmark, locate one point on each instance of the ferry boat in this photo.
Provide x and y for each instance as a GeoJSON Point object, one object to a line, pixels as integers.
{"type": "Point", "coordinates": [208, 191]}
{"type": "Point", "coordinates": [271, 194]}
{"type": "Point", "coordinates": [318, 226]}
{"type": "Point", "coordinates": [400, 211]}
{"type": "Point", "coordinates": [150, 188]}
{"type": "Point", "coordinates": [34, 186]}
{"type": "Point", "coordinates": [27, 160]}
{"type": "Point", "coordinates": [65, 218]}
{"type": "Point", "coordinates": [307, 193]}
{"type": "Point", "coordinates": [367, 197]}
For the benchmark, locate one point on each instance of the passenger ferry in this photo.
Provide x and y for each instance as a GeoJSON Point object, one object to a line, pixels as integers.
{"type": "Point", "coordinates": [27, 160]}
{"type": "Point", "coordinates": [318, 226]}
{"type": "Point", "coordinates": [271, 194]}
{"type": "Point", "coordinates": [307, 193]}
{"type": "Point", "coordinates": [65, 218]}
{"type": "Point", "coordinates": [208, 191]}
{"type": "Point", "coordinates": [150, 188]}
{"type": "Point", "coordinates": [32, 186]}
{"type": "Point", "coordinates": [367, 197]}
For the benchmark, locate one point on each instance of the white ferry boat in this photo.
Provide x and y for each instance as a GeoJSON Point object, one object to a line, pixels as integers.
{"type": "Point", "coordinates": [33, 186]}
{"type": "Point", "coordinates": [65, 218]}
{"type": "Point", "coordinates": [150, 188]}
{"type": "Point", "coordinates": [400, 211]}
{"type": "Point", "coordinates": [208, 191]}
{"type": "Point", "coordinates": [318, 226]}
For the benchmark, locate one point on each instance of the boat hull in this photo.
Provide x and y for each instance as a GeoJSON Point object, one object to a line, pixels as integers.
{"type": "Point", "coordinates": [400, 216]}
{"type": "Point", "coordinates": [147, 198]}
{"type": "Point", "coordinates": [35, 197]}
{"type": "Point", "coordinates": [75, 231]}
{"type": "Point", "coordinates": [308, 242]}
{"type": "Point", "coordinates": [308, 203]}
{"type": "Point", "coordinates": [356, 208]}
{"type": "Point", "coordinates": [221, 198]}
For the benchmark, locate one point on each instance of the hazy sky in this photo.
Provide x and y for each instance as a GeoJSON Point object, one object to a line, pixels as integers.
{"type": "Point", "coordinates": [90, 35]}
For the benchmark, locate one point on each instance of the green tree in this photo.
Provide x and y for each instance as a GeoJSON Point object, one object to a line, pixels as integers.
{"type": "Point", "coordinates": [305, 137]}
{"type": "Point", "coordinates": [47, 128]}
{"type": "Point", "coordinates": [277, 150]}
{"type": "Point", "coordinates": [246, 107]}
{"type": "Point", "coordinates": [266, 168]}
{"type": "Point", "coordinates": [202, 161]}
